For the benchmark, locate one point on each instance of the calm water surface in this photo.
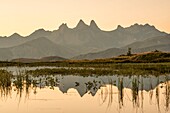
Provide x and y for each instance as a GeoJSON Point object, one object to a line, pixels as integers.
{"type": "Point", "coordinates": [77, 94]}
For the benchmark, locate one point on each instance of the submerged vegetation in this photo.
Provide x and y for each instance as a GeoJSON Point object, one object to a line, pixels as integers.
{"type": "Point", "coordinates": [5, 82]}
{"type": "Point", "coordinates": [118, 69]}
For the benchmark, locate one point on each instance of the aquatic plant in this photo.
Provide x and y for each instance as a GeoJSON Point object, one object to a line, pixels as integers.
{"type": "Point", "coordinates": [5, 83]}
{"type": "Point", "coordinates": [120, 89]}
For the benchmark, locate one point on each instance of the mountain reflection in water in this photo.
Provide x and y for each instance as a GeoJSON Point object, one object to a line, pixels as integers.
{"type": "Point", "coordinates": [107, 87]}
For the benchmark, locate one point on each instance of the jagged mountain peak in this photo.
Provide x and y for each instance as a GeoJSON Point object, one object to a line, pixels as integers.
{"type": "Point", "coordinates": [40, 30]}
{"type": "Point", "coordinates": [119, 27]}
{"type": "Point", "coordinates": [149, 26]}
{"type": "Point", "coordinates": [63, 27]}
{"type": "Point", "coordinates": [93, 25]}
{"type": "Point", "coordinates": [142, 28]}
{"type": "Point", "coordinates": [136, 25]}
{"type": "Point", "coordinates": [39, 33]}
{"type": "Point", "coordinates": [15, 35]}
{"type": "Point", "coordinates": [81, 25]}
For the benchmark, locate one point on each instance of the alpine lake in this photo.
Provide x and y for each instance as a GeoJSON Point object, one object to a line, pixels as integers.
{"type": "Point", "coordinates": [52, 89]}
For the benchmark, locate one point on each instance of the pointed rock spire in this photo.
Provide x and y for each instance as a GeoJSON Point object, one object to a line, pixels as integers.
{"type": "Point", "coordinates": [149, 26]}
{"type": "Point", "coordinates": [81, 25]}
{"type": "Point", "coordinates": [93, 25]}
{"type": "Point", "coordinates": [136, 24]}
{"type": "Point", "coordinates": [63, 27]}
{"type": "Point", "coordinates": [119, 27]}
{"type": "Point", "coordinates": [146, 26]}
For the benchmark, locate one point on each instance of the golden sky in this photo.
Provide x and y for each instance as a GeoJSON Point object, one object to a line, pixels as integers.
{"type": "Point", "coordinates": [25, 16]}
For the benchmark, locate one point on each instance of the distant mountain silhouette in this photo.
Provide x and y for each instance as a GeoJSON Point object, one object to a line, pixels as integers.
{"type": "Point", "coordinates": [83, 39]}
{"type": "Point", "coordinates": [102, 54]}
{"type": "Point", "coordinates": [37, 48]}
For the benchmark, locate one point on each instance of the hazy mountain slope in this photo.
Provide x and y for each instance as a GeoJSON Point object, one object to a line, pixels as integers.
{"type": "Point", "coordinates": [5, 54]}
{"type": "Point", "coordinates": [142, 32]}
{"type": "Point", "coordinates": [39, 33]}
{"type": "Point", "coordinates": [119, 51]}
{"type": "Point", "coordinates": [84, 38]}
{"type": "Point", "coordinates": [11, 41]}
{"type": "Point", "coordinates": [102, 54]}
{"type": "Point", "coordinates": [160, 40]}
{"type": "Point", "coordinates": [16, 39]}
{"type": "Point", "coordinates": [165, 48]}
{"type": "Point", "coordinates": [38, 48]}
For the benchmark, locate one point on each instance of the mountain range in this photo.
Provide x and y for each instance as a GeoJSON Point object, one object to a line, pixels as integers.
{"type": "Point", "coordinates": [83, 42]}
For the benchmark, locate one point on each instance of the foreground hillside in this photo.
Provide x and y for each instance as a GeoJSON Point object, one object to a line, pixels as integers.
{"type": "Point", "coordinates": [148, 57]}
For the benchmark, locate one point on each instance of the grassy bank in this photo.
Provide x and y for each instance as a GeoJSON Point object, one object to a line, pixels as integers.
{"type": "Point", "coordinates": [142, 58]}
{"type": "Point", "coordinates": [153, 63]}
{"type": "Point", "coordinates": [119, 69]}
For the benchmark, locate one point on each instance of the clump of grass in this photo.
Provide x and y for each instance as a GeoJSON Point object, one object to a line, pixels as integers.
{"type": "Point", "coordinates": [5, 82]}
{"type": "Point", "coordinates": [70, 71]}
{"type": "Point", "coordinates": [135, 91]}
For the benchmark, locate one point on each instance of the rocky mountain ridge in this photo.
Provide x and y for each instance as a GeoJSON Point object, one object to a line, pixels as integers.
{"type": "Point", "coordinates": [70, 42]}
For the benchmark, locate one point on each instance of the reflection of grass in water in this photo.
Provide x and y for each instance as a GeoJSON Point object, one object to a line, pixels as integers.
{"type": "Point", "coordinates": [135, 91]}
{"type": "Point", "coordinates": [27, 85]}
{"type": "Point", "coordinates": [18, 83]}
{"type": "Point", "coordinates": [137, 99]}
{"type": "Point", "coordinates": [142, 97]}
{"type": "Point", "coordinates": [110, 94]}
{"type": "Point", "coordinates": [120, 94]}
{"type": "Point", "coordinates": [5, 83]}
{"type": "Point", "coordinates": [157, 94]}
{"type": "Point", "coordinates": [104, 94]}
{"type": "Point", "coordinates": [25, 82]}
{"type": "Point", "coordinates": [151, 91]}
{"type": "Point", "coordinates": [21, 82]}
{"type": "Point", "coordinates": [107, 93]}
{"type": "Point", "coordinates": [167, 93]}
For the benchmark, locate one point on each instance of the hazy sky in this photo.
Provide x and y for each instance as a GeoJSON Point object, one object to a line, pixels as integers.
{"type": "Point", "coordinates": [25, 16]}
